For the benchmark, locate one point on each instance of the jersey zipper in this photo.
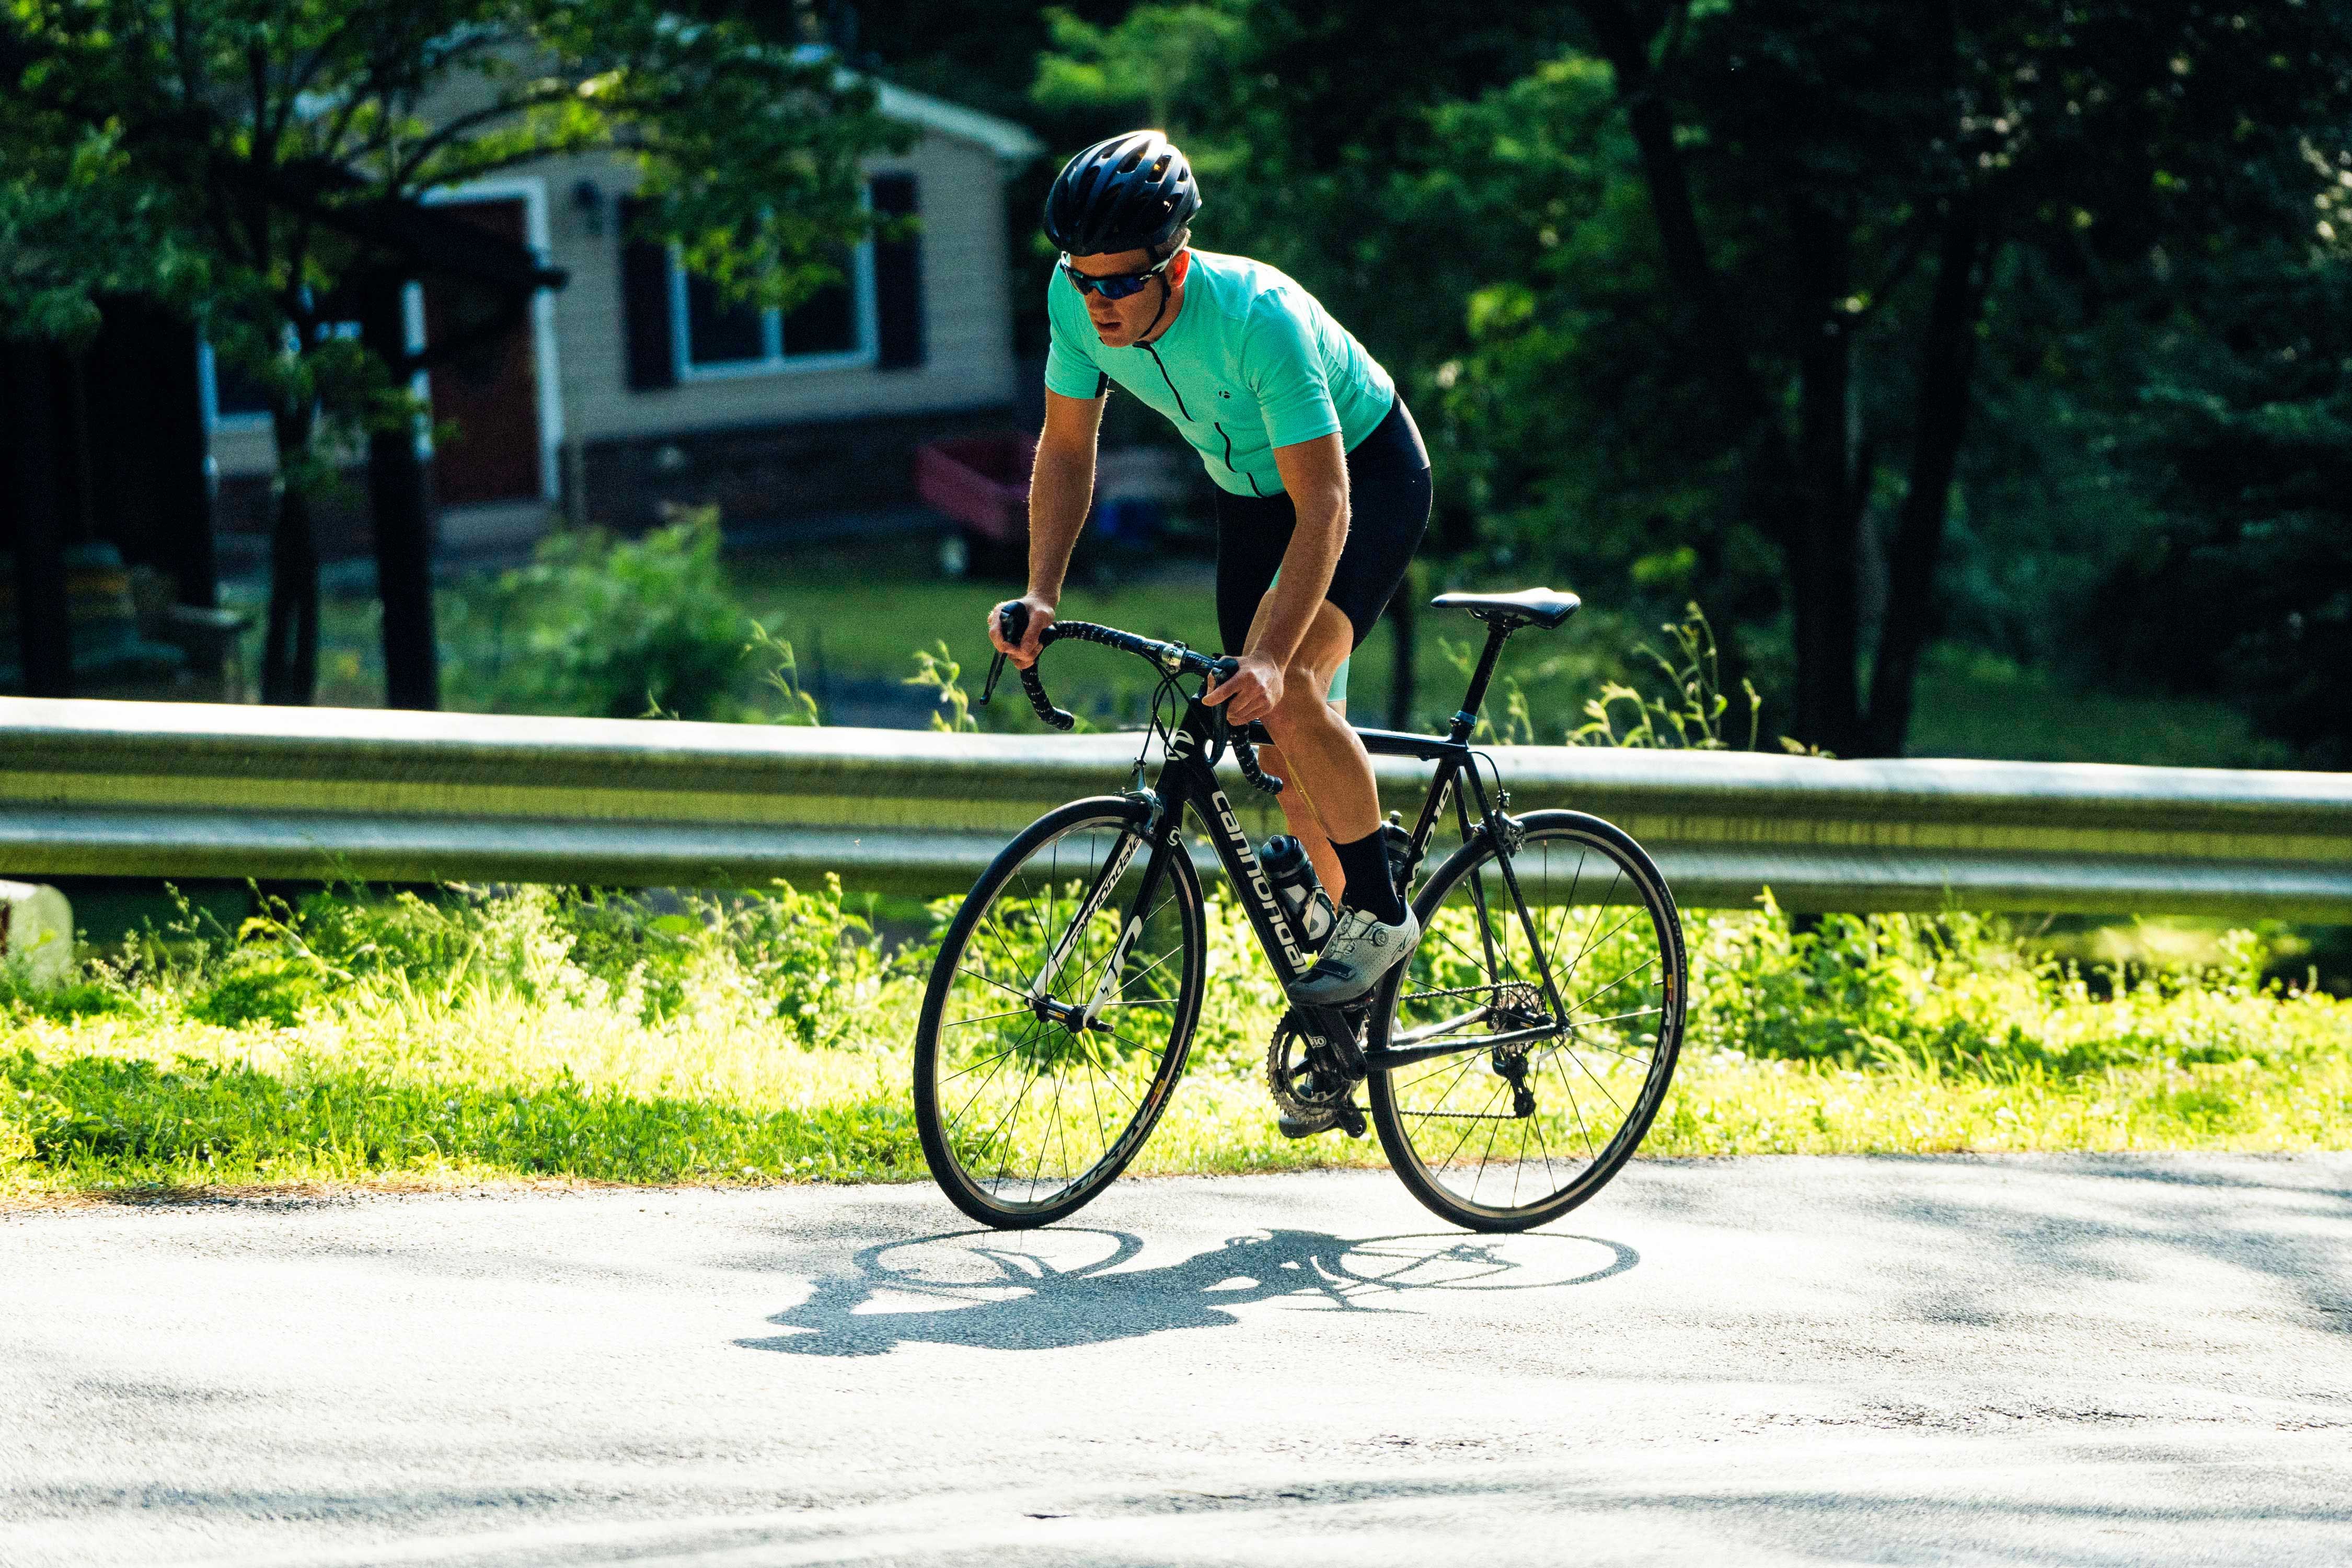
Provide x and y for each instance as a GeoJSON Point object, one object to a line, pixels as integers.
{"type": "Point", "coordinates": [1170, 380]}
{"type": "Point", "coordinates": [1187, 413]}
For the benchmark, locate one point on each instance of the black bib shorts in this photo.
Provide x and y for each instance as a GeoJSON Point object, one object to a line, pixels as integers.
{"type": "Point", "coordinates": [1387, 499]}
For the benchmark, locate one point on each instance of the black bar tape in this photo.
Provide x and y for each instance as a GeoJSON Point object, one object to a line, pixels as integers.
{"type": "Point", "coordinates": [1246, 755]}
{"type": "Point", "coordinates": [1044, 704]}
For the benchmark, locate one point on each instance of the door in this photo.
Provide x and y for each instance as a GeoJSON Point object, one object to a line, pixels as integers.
{"type": "Point", "coordinates": [490, 394]}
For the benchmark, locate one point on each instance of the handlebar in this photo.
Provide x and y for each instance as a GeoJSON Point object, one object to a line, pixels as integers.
{"type": "Point", "coordinates": [1172, 659]}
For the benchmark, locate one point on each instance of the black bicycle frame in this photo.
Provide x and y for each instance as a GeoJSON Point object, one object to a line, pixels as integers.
{"type": "Point", "coordinates": [1186, 778]}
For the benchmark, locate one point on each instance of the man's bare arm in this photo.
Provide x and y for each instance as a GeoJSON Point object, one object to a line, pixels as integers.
{"type": "Point", "coordinates": [1061, 488]}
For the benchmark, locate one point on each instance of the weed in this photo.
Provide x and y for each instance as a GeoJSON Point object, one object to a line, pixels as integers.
{"type": "Point", "coordinates": [939, 672]}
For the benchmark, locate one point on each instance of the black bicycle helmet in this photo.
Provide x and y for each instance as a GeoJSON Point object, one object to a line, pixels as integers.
{"type": "Point", "coordinates": [1127, 193]}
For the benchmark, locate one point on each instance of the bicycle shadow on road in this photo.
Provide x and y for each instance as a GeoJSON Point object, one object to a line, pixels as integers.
{"type": "Point", "coordinates": [1053, 1289]}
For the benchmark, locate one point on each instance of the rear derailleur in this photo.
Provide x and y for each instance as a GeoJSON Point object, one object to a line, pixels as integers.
{"type": "Point", "coordinates": [1312, 1067]}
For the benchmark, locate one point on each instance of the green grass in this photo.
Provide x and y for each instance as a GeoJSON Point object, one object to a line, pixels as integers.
{"type": "Point", "coordinates": [1971, 704]}
{"type": "Point", "coordinates": [533, 1036]}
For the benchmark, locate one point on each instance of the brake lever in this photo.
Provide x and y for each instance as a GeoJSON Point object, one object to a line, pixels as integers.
{"type": "Point", "coordinates": [1224, 732]}
{"type": "Point", "coordinates": [1013, 620]}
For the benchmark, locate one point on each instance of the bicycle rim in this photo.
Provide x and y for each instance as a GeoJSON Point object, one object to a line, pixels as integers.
{"type": "Point", "coordinates": [1507, 1137]}
{"type": "Point", "coordinates": [1031, 1096]}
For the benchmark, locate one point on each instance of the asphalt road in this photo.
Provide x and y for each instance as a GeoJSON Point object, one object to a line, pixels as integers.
{"type": "Point", "coordinates": [2072, 1359]}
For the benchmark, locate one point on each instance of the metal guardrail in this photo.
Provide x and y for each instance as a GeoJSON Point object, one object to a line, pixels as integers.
{"type": "Point", "coordinates": [194, 790]}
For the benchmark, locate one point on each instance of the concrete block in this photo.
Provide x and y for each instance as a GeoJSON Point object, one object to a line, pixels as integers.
{"type": "Point", "coordinates": [37, 933]}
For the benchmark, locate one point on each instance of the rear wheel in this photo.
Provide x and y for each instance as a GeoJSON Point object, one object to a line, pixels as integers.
{"type": "Point", "coordinates": [1058, 1016]}
{"type": "Point", "coordinates": [1507, 1135]}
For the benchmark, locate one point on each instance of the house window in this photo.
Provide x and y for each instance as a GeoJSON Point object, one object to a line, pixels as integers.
{"type": "Point", "coordinates": [234, 400]}
{"type": "Point", "coordinates": [718, 338]}
{"type": "Point", "coordinates": [230, 397]}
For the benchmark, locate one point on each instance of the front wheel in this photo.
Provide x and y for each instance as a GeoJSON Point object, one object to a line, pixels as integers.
{"type": "Point", "coordinates": [1544, 1024]}
{"type": "Point", "coordinates": [1059, 1014]}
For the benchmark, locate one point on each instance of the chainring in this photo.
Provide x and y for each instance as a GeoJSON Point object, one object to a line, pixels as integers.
{"type": "Point", "coordinates": [1300, 1085]}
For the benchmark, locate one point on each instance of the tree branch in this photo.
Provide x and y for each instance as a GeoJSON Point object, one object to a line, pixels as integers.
{"type": "Point", "coordinates": [450, 130]}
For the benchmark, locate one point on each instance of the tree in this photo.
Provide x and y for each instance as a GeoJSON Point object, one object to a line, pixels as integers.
{"type": "Point", "coordinates": [1703, 292]}
{"type": "Point", "coordinates": [1802, 161]}
{"type": "Point", "coordinates": [290, 138]}
{"type": "Point", "coordinates": [1311, 125]}
{"type": "Point", "coordinates": [2237, 424]}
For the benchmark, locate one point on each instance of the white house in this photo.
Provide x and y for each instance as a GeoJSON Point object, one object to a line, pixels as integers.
{"type": "Point", "coordinates": [631, 386]}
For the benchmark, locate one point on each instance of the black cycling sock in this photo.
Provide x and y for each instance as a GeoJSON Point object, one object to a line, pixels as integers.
{"type": "Point", "coordinates": [1365, 864]}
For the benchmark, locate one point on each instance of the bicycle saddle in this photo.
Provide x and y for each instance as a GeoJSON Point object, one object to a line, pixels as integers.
{"type": "Point", "coordinates": [1528, 607]}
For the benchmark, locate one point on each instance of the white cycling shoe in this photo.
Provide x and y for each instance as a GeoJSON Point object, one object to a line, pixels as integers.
{"type": "Point", "coordinates": [1362, 948]}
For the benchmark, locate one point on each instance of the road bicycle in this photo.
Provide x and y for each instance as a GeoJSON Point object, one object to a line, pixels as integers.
{"type": "Point", "coordinates": [1512, 1064]}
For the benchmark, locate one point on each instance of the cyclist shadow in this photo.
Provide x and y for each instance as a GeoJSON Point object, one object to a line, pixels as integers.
{"type": "Point", "coordinates": [985, 1290]}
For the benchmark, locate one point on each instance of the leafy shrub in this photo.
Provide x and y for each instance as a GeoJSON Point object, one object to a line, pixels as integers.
{"type": "Point", "coordinates": [17, 1146]}
{"type": "Point", "coordinates": [802, 957]}
{"type": "Point", "coordinates": [1963, 993]}
{"type": "Point", "coordinates": [775, 952]}
{"type": "Point", "coordinates": [84, 998]}
{"type": "Point", "coordinates": [611, 628]}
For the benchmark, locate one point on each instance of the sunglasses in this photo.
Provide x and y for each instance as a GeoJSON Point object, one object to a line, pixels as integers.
{"type": "Point", "coordinates": [1118, 285]}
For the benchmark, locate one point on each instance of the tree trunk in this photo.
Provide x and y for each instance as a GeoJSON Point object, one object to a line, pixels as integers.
{"type": "Point", "coordinates": [399, 496]}
{"type": "Point", "coordinates": [33, 498]}
{"type": "Point", "coordinates": [1718, 342]}
{"type": "Point", "coordinates": [1947, 359]}
{"type": "Point", "coordinates": [289, 649]}
{"type": "Point", "coordinates": [1715, 334]}
{"type": "Point", "coordinates": [1822, 564]}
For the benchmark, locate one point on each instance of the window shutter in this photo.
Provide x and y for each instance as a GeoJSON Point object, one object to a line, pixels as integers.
{"type": "Point", "coordinates": [644, 306]}
{"type": "Point", "coordinates": [898, 279]}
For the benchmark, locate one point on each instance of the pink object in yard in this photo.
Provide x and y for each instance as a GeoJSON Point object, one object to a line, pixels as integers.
{"type": "Point", "coordinates": [981, 482]}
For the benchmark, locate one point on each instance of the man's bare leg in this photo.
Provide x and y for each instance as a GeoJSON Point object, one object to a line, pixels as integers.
{"type": "Point", "coordinates": [1331, 794]}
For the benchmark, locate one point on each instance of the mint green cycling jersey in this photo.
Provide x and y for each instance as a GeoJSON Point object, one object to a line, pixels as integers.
{"type": "Point", "coordinates": [1251, 363]}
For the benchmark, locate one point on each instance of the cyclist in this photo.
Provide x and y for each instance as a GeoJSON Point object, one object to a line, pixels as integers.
{"type": "Point", "coordinates": [1323, 493]}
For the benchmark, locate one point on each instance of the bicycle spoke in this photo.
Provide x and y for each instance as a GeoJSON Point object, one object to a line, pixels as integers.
{"type": "Point", "coordinates": [1586, 1069]}
{"type": "Point", "coordinates": [1618, 1019]}
{"type": "Point", "coordinates": [1466, 1064]}
{"type": "Point", "coordinates": [1583, 1128]}
{"type": "Point", "coordinates": [1000, 984]}
{"type": "Point", "coordinates": [1555, 939]}
{"type": "Point", "coordinates": [961, 1072]}
{"type": "Point", "coordinates": [1619, 981]}
{"type": "Point", "coordinates": [986, 1018]}
{"type": "Point", "coordinates": [1014, 1050]}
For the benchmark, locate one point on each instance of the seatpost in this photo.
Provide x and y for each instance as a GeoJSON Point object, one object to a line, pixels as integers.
{"type": "Point", "coordinates": [1467, 720]}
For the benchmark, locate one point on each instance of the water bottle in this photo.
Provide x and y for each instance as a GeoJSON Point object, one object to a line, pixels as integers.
{"type": "Point", "coordinates": [1295, 884]}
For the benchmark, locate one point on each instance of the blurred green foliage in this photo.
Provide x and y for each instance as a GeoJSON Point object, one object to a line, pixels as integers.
{"type": "Point", "coordinates": [2135, 204]}
{"type": "Point", "coordinates": [614, 628]}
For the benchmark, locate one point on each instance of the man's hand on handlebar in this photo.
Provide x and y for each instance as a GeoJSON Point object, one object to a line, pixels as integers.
{"type": "Point", "coordinates": [1024, 652]}
{"type": "Point", "coordinates": [1250, 692]}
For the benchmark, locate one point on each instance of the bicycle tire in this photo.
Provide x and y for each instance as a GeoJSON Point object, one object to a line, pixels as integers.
{"type": "Point", "coordinates": [1140, 1066]}
{"type": "Point", "coordinates": [1456, 969]}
